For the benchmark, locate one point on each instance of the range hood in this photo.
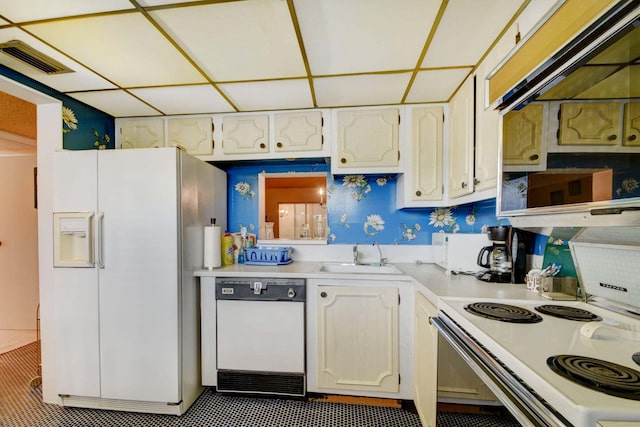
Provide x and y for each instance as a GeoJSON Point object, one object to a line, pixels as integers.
{"type": "Point", "coordinates": [578, 58]}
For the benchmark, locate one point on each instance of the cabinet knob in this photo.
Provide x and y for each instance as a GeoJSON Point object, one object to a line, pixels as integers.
{"type": "Point", "coordinates": [632, 137]}
{"type": "Point", "coordinates": [343, 160]}
{"type": "Point", "coordinates": [279, 144]}
{"type": "Point", "coordinates": [612, 137]}
{"type": "Point", "coordinates": [262, 145]}
{"type": "Point", "coordinates": [534, 157]}
{"type": "Point", "coordinates": [323, 294]}
{"type": "Point", "coordinates": [463, 185]}
{"type": "Point", "coordinates": [476, 181]}
{"type": "Point", "coordinates": [418, 193]}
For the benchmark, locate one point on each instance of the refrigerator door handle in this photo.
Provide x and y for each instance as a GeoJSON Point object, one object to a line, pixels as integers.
{"type": "Point", "coordinates": [99, 235]}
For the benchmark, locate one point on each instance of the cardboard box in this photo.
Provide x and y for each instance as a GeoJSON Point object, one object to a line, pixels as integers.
{"type": "Point", "coordinates": [566, 186]}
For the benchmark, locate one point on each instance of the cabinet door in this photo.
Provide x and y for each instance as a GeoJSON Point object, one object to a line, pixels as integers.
{"type": "Point", "coordinates": [426, 154]}
{"type": "Point", "coordinates": [193, 134]}
{"type": "Point", "coordinates": [245, 134]}
{"type": "Point", "coordinates": [461, 140]}
{"type": "Point", "coordinates": [358, 338]}
{"type": "Point", "coordinates": [298, 131]}
{"type": "Point", "coordinates": [522, 136]}
{"type": "Point", "coordinates": [589, 123]}
{"type": "Point", "coordinates": [488, 119]}
{"type": "Point", "coordinates": [631, 124]}
{"type": "Point", "coordinates": [425, 362]}
{"type": "Point", "coordinates": [368, 138]}
{"type": "Point", "coordinates": [147, 133]}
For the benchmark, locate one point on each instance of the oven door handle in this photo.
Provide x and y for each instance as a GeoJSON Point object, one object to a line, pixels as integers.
{"type": "Point", "coordinates": [520, 401]}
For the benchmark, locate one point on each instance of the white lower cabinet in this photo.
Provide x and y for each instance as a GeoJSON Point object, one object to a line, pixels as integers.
{"type": "Point", "coordinates": [425, 361]}
{"type": "Point", "coordinates": [358, 338]}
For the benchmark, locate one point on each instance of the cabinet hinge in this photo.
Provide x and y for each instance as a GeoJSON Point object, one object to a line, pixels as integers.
{"type": "Point", "coordinates": [399, 379]}
{"type": "Point", "coordinates": [321, 121]}
{"type": "Point", "coordinates": [398, 118]}
{"type": "Point", "coordinates": [398, 155]}
{"type": "Point", "coordinates": [558, 134]}
{"type": "Point", "coordinates": [398, 299]}
{"type": "Point", "coordinates": [321, 139]}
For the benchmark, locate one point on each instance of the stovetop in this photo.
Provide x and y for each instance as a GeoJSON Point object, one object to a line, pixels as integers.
{"type": "Point", "coordinates": [525, 348]}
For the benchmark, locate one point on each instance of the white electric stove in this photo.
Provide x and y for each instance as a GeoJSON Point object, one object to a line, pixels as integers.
{"type": "Point", "coordinates": [557, 371]}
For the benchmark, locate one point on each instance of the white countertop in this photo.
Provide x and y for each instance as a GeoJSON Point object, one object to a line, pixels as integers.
{"type": "Point", "coordinates": [428, 279]}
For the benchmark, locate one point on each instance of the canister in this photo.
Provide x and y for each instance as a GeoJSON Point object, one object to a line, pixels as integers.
{"type": "Point", "coordinates": [227, 248]}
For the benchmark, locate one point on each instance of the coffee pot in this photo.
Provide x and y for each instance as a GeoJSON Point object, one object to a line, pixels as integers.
{"type": "Point", "coordinates": [498, 258]}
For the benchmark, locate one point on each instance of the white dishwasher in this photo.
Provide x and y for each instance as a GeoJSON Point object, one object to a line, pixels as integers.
{"type": "Point", "coordinates": [261, 335]}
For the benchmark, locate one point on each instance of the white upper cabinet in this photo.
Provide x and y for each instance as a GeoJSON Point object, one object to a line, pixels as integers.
{"type": "Point", "coordinates": [422, 179]}
{"type": "Point", "coordinates": [461, 140]}
{"type": "Point", "coordinates": [487, 119]}
{"type": "Point", "coordinates": [631, 124]}
{"type": "Point", "coordinates": [245, 134]}
{"type": "Point", "coordinates": [523, 148]}
{"type": "Point", "coordinates": [300, 131]}
{"type": "Point", "coordinates": [194, 134]}
{"type": "Point", "coordinates": [589, 123]}
{"type": "Point", "coordinates": [367, 140]}
{"type": "Point", "coordinates": [142, 133]}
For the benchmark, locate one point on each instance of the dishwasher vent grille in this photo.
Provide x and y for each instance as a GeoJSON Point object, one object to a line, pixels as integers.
{"type": "Point", "coordinates": [280, 383]}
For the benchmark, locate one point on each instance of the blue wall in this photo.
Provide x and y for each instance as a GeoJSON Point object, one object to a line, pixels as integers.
{"type": "Point", "coordinates": [80, 136]}
{"type": "Point", "coordinates": [360, 208]}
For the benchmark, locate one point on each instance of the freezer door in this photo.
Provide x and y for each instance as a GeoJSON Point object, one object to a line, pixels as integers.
{"type": "Point", "coordinates": [77, 344]}
{"type": "Point", "coordinates": [139, 284]}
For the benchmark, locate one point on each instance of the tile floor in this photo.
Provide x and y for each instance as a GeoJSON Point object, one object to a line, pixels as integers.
{"type": "Point", "coordinates": [21, 406]}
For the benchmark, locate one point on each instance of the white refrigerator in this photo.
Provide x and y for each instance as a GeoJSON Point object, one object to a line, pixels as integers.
{"type": "Point", "coordinates": [127, 304]}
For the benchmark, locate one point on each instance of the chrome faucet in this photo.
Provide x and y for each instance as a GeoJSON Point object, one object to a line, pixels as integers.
{"type": "Point", "coordinates": [381, 259]}
{"type": "Point", "coordinates": [355, 254]}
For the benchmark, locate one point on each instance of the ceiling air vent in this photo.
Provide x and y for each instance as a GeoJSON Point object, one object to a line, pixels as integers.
{"type": "Point", "coordinates": [28, 55]}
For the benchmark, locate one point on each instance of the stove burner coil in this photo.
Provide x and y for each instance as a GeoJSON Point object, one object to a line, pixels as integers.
{"type": "Point", "coordinates": [503, 312]}
{"type": "Point", "coordinates": [606, 377]}
{"type": "Point", "coordinates": [570, 313]}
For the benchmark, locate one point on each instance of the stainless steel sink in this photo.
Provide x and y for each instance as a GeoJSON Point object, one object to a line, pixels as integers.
{"type": "Point", "coordinates": [331, 267]}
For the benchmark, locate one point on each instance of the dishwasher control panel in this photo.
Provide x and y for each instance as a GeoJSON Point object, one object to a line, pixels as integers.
{"type": "Point", "coordinates": [261, 289]}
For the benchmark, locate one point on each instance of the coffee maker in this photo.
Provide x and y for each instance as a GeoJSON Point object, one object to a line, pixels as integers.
{"type": "Point", "coordinates": [505, 259]}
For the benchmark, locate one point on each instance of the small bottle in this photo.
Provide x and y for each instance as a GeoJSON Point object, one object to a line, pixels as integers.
{"type": "Point", "coordinates": [243, 245]}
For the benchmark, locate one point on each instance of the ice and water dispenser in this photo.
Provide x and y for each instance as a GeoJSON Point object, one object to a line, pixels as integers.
{"type": "Point", "coordinates": [73, 239]}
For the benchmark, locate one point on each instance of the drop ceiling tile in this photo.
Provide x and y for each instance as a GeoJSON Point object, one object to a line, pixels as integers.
{"type": "Point", "coordinates": [118, 103]}
{"type": "Point", "coordinates": [374, 89]}
{"type": "Point", "coordinates": [184, 99]}
{"type": "Point", "coordinates": [32, 10]}
{"type": "Point", "coordinates": [270, 95]}
{"type": "Point", "coordinates": [253, 39]}
{"type": "Point", "coordinates": [124, 48]}
{"type": "Point", "coordinates": [81, 79]}
{"type": "Point", "coordinates": [623, 84]}
{"type": "Point", "coordinates": [364, 35]}
{"type": "Point", "coordinates": [151, 3]}
{"type": "Point", "coordinates": [436, 85]}
{"type": "Point", "coordinates": [467, 30]}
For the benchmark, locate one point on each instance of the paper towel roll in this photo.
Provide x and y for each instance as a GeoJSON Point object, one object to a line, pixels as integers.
{"type": "Point", "coordinates": [212, 248]}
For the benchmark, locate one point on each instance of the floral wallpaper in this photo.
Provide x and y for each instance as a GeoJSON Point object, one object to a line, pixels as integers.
{"type": "Point", "coordinates": [83, 127]}
{"type": "Point", "coordinates": [360, 208]}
